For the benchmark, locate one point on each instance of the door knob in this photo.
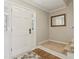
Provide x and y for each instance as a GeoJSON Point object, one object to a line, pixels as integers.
{"type": "Point", "coordinates": [30, 31]}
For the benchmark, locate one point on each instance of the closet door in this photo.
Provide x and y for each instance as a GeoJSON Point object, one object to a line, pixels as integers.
{"type": "Point", "coordinates": [22, 33]}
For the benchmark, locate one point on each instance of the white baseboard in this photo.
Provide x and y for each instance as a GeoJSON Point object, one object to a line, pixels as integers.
{"type": "Point", "coordinates": [42, 42]}
{"type": "Point", "coordinates": [21, 52]}
{"type": "Point", "coordinates": [51, 40]}
{"type": "Point", "coordinates": [58, 41]}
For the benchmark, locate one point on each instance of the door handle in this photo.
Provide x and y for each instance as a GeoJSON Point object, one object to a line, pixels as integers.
{"type": "Point", "coordinates": [30, 31]}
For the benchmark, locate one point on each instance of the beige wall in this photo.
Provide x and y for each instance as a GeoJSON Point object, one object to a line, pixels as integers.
{"type": "Point", "coordinates": [62, 34]}
{"type": "Point", "coordinates": [42, 26]}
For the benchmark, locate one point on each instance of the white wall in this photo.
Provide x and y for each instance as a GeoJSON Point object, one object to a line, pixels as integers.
{"type": "Point", "coordinates": [62, 34]}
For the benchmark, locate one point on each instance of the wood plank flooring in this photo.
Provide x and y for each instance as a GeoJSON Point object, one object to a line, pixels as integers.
{"type": "Point", "coordinates": [54, 46]}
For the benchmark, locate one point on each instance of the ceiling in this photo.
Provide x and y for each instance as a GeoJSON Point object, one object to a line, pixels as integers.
{"type": "Point", "coordinates": [47, 5]}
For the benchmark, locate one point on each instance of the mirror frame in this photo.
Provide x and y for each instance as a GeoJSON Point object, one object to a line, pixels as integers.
{"type": "Point", "coordinates": [58, 16]}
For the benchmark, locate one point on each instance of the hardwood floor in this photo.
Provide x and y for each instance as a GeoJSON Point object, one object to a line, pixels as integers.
{"type": "Point", "coordinates": [45, 55]}
{"type": "Point", "coordinates": [54, 46]}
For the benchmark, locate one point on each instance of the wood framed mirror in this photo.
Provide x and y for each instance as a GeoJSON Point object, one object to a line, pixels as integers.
{"type": "Point", "coordinates": [58, 20]}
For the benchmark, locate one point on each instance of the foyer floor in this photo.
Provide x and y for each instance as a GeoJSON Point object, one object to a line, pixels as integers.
{"type": "Point", "coordinates": [54, 46]}
{"type": "Point", "coordinates": [47, 50]}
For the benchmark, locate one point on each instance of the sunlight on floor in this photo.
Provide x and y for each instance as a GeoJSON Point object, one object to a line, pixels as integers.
{"type": "Point", "coordinates": [54, 46]}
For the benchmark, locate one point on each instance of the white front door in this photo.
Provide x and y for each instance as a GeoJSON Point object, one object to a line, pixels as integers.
{"type": "Point", "coordinates": [22, 33]}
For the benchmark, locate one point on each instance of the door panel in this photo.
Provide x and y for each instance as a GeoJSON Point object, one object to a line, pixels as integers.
{"type": "Point", "coordinates": [21, 23]}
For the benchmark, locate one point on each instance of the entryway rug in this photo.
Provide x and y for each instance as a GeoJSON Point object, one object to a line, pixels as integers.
{"type": "Point", "coordinates": [44, 55]}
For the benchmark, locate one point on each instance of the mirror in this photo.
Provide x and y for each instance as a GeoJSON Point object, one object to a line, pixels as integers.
{"type": "Point", "coordinates": [58, 20]}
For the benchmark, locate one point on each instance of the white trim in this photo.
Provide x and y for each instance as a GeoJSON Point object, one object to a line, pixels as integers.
{"type": "Point", "coordinates": [58, 41]}
{"type": "Point", "coordinates": [57, 9]}
{"type": "Point", "coordinates": [22, 53]}
{"type": "Point", "coordinates": [52, 41]}
{"type": "Point", "coordinates": [42, 42]}
{"type": "Point", "coordinates": [37, 6]}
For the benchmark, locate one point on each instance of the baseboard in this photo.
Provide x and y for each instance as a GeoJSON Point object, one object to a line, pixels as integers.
{"type": "Point", "coordinates": [21, 51]}
{"type": "Point", "coordinates": [58, 41]}
{"type": "Point", "coordinates": [42, 42]}
{"type": "Point", "coordinates": [53, 41]}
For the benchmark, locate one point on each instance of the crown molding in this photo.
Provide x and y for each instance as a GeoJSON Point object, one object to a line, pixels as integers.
{"type": "Point", "coordinates": [42, 8]}
{"type": "Point", "coordinates": [36, 5]}
{"type": "Point", "coordinates": [54, 10]}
